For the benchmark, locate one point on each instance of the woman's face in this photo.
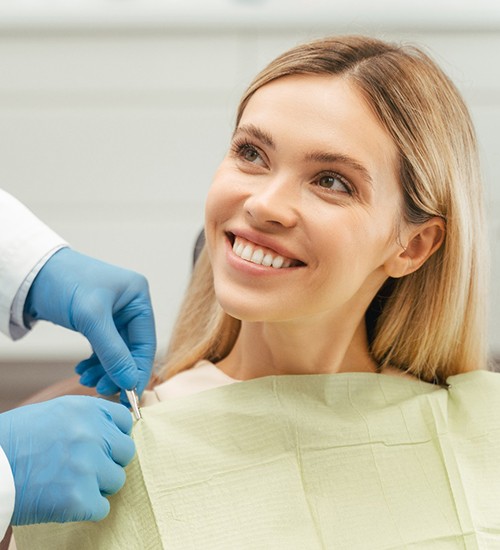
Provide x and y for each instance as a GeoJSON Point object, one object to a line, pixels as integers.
{"type": "Point", "coordinates": [302, 213]}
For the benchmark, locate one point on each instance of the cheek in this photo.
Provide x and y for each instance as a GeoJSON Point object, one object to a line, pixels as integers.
{"type": "Point", "coordinates": [221, 192]}
{"type": "Point", "coordinates": [215, 201]}
{"type": "Point", "coordinates": [211, 220]}
{"type": "Point", "coordinates": [210, 204]}
{"type": "Point", "coordinates": [358, 241]}
{"type": "Point", "coordinates": [220, 205]}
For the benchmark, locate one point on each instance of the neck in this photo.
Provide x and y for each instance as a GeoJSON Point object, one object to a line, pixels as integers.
{"type": "Point", "coordinates": [266, 349]}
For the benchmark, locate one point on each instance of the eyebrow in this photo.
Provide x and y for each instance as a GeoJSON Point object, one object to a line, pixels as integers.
{"type": "Point", "coordinates": [256, 133]}
{"type": "Point", "coordinates": [314, 156]}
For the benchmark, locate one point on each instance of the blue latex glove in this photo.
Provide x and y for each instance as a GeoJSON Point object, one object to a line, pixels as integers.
{"type": "Point", "coordinates": [66, 454]}
{"type": "Point", "coordinates": [110, 306]}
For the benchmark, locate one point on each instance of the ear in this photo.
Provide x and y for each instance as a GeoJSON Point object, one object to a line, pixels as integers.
{"type": "Point", "coordinates": [422, 241]}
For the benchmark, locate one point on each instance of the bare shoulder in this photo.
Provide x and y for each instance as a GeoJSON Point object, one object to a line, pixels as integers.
{"type": "Point", "coordinates": [393, 371]}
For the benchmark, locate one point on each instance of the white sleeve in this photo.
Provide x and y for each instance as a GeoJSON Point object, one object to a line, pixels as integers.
{"type": "Point", "coordinates": [7, 494]}
{"type": "Point", "coordinates": [26, 244]}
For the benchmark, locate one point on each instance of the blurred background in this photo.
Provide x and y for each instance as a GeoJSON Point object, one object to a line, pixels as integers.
{"type": "Point", "coordinates": [114, 115]}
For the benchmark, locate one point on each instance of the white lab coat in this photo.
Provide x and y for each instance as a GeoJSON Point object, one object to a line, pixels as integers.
{"type": "Point", "coordinates": [25, 245]}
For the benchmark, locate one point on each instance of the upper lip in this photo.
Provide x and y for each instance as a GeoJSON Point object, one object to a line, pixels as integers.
{"type": "Point", "coordinates": [263, 240]}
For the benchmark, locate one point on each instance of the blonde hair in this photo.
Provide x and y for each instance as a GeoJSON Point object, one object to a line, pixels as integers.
{"type": "Point", "coordinates": [431, 323]}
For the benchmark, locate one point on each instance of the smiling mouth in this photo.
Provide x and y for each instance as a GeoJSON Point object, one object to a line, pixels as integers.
{"type": "Point", "coordinates": [256, 254]}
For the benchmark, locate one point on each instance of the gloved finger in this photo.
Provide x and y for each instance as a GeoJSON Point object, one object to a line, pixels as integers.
{"type": "Point", "coordinates": [99, 510]}
{"type": "Point", "coordinates": [118, 414]}
{"type": "Point", "coordinates": [83, 503]}
{"type": "Point", "coordinates": [92, 376]}
{"type": "Point", "coordinates": [110, 478]}
{"type": "Point", "coordinates": [120, 447]}
{"type": "Point", "coordinates": [106, 386]}
{"type": "Point", "coordinates": [141, 340]}
{"type": "Point", "coordinates": [90, 362]}
{"type": "Point", "coordinates": [145, 367]}
{"type": "Point", "coordinates": [113, 353]}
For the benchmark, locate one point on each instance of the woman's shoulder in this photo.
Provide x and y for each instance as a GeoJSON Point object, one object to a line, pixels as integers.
{"type": "Point", "coordinates": [201, 377]}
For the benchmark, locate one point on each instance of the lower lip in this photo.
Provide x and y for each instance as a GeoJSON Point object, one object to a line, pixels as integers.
{"type": "Point", "coordinates": [250, 268]}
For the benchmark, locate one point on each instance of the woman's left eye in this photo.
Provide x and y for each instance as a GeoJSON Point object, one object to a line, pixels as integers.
{"type": "Point", "coordinates": [334, 182]}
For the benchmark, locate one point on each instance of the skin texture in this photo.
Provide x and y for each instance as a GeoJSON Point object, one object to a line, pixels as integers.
{"type": "Point", "coordinates": [311, 175]}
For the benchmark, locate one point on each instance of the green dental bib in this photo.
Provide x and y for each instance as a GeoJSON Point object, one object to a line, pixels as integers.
{"type": "Point", "coordinates": [344, 461]}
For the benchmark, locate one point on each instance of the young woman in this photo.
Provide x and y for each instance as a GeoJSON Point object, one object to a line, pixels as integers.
{"type": "Point", "coordinates": [343, 282]}
{"type": "Point", "coordinates": [355, 161]}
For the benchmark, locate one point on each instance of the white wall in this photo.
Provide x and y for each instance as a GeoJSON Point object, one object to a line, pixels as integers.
{"type": "Point", "coordinates": [111, 123]}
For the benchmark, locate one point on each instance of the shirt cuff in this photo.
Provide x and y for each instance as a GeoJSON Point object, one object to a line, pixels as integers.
{"type": "Point", "coordinates": [24, 239]}
{"type": "Point", "coordinates": [17, 327]}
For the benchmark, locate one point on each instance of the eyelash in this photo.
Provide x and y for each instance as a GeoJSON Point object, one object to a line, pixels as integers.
{"type": "Point", "coordinates": [335, 175]}
{"type": "Point", "coordinates": [240, 147]}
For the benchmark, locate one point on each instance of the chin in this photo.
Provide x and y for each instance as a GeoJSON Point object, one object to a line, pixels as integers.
{"type": "Point", "coordinates": [252, 307]}
{"type": "Point", "coordinates": [252, 313]}
{"type": "Point", "coordinates": [241, 313]}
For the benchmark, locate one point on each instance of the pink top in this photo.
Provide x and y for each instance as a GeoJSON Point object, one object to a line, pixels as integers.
{"type": "Point", "coordinates": [203, 376]}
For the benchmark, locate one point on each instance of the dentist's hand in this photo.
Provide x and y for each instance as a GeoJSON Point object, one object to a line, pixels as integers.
{"type": "Point", "coordinates": [65, 454]}
{"type": "Point", "coordinates": [110, 306]}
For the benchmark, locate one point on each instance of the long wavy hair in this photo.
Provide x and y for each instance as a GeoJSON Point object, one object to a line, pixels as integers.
{"type": "Point", "coordinates": [430, 323]}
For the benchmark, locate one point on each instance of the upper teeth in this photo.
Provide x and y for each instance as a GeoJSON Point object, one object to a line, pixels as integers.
{"type": "Point", "coordinates": [257, 255]}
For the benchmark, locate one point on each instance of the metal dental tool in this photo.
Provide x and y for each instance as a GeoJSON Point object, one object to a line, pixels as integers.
{"type": "Point", "coordinates": [134, 403]}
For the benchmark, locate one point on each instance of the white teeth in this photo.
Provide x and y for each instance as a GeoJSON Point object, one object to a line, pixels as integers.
{"type": "Point", "coordinates": [257, 256]}
{"type": "Point", "coordinates": [278, 261]}
{"type": "Point", "coordinates": [246, 251]}
{"type": "Point", "coordinates": [267, 260]}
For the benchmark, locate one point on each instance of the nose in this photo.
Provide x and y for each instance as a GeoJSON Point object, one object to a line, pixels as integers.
{"type": "Point", "coordinates": [273, 202]}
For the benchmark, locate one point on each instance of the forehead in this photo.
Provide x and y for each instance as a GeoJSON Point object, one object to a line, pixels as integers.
{"type": "Point", "coordinates": [323, 112]}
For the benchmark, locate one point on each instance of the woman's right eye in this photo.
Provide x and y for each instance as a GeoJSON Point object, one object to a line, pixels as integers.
{"type": "Point", "coordinates": [248, 153]}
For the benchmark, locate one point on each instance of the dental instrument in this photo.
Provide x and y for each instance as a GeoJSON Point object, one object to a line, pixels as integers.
{"type": "Point", "coordinates": [133, 399]}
